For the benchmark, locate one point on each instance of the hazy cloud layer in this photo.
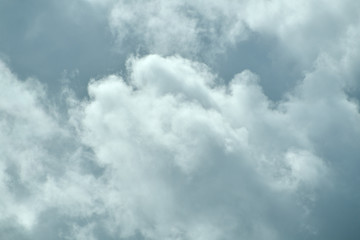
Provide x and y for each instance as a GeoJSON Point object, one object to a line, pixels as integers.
{"type": "Point", "coordinates": [179, 143]}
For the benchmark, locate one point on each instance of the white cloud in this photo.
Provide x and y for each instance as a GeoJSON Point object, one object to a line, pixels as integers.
{"type": "Point", "coordinates": [168, 27]}
{"type": "Point", "coordinates": [202, 30]}
{"type": "Point", "coordinates": [171, 141]}
{"type": "Point", "coordinates": [181, 156]}
{"type": "Point", "coordinates": [306, 28]}
{"type": "Point", "coordinates": [35, 149]}
{"type": "Point", "coordinates": [23, 129]}
{"type": "Point", "coordinates": [166, 151]}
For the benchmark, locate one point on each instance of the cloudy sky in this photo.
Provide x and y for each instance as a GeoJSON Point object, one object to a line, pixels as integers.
{"type": "Point", "coordinates": [179, 120]}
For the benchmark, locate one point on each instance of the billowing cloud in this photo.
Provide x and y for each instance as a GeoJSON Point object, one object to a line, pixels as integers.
{"type": "Point", "coordinates": [265, 36]}
{"type": "Point", "coordinates": [196, 150]}
{"type": "Point", "coordinates": [169, 149]}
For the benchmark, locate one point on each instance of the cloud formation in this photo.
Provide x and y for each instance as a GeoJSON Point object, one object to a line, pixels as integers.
{"type": "Point", "coordinates": [188, 27]}
{"type": "Point", "coordinates": [168, 149]}
{"type": "Point", "coordinates": [189, 138]}
{"type": "Point", "coordinates": [197, 151]}
{"type": "Point", "coordinates": [193, 28]}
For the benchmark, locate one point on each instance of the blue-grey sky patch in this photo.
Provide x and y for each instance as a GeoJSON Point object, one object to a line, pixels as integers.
{"type": "Point", "coordinates": [47, 39]}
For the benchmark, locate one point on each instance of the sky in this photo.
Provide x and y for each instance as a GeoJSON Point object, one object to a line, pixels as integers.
{"type": "Point", "coordinates": [179, 120]}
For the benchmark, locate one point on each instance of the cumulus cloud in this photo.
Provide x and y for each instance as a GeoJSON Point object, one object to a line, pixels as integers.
{"type": "Point", "coordinates": [282, 33]}
{"type": "Point", "coordinates": [169, 150]}
{"type": "Point", "coordinates": [177, 147]}
{"type": "Point", "coordinates": [179, 155]}
{"type": "Point", "coordinates": [170, 136]}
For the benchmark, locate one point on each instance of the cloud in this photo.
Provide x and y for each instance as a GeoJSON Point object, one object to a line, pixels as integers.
{"type": "Point", "coordinates": [170, 136]}
{"type": "Point", "coordinates": [264, 36]}
{"type": "Point", "coordinates": [168, 153]}
{"type": "Point", "coordinates": [195, 29]}
{"type": "Point", "coordinates": [39, 152]}
{"type": "Point", "coordinates": [169, 150]}
{"type": "Point", "coordinates": [25, 127]}
{"type": "Point", "coordinates": [188, 27]}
